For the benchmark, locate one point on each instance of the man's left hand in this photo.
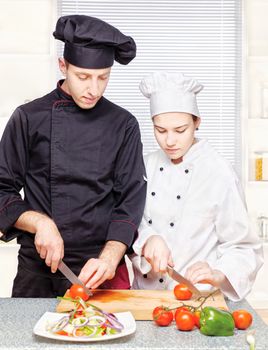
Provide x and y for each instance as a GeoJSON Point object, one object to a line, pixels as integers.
{"type": "Point", "coordinates": [95, 272]}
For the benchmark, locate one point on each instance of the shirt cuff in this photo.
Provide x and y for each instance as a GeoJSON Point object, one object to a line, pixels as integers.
{"type": "Point", "coordinates": [141, 264]}
{"type": "Point", "coordinates": [10, 214]}
{"type": "Point", "coordinates": [122, 231]}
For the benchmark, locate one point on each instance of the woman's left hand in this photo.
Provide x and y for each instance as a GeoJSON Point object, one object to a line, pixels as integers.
{"type": "Point", "coordinates": [201, 272]}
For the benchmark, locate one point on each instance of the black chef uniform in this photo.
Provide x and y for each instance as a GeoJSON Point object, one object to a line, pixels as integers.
{"type": "Point", "coordinates": [82, 167]}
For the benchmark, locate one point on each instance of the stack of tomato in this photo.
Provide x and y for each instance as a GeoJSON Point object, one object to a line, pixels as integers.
{"type": "Point", "coordinates": [187, 317]}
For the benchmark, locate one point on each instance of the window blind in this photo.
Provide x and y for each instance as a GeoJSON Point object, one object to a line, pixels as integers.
{"type": "Point", "coordinates": [199, 38]}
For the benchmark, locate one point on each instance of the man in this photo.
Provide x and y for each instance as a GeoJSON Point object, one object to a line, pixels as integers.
{"type": "Point", "coordinates": [78, 158]}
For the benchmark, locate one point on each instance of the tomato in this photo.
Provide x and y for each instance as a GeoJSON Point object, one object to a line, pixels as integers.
{"type": "Point", "coordinates": [182, 292]}
{"type": "Point", "coordinates": [62, 333]}
{"type": "Point", "coordinates": [77, 291]}
{"type": "Point", "coordinates": [197, 318]}
{"type": "Point", "coordinates": [242, 319]}
{"type": "Point", "coordinates": [162, 316]}
{"type": "Point", "coordinates": [179, 309]}
{"type": "Point", "coordinates": [185, 320]}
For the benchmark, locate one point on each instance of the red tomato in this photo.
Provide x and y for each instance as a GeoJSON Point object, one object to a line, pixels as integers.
{"type": "Point", "coordinates": [77, 291]}
{"type": "Point", "coordinates": [62, 333]}
{"type": "Point", "coordinates": [179, 309]}
{"type": "Point", "coordinates": [162, 316]}
{"type": "Point", "coordinates": [242, 319]}
{"type": "Point", "coordinates": [182, 292]}
{"type": "Point", "coordinates": [185, 320]}
{"type": "Point", "coordinates": [197, 318]}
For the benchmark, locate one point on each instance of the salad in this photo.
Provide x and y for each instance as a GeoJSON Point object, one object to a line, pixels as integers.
{"type": "Point", "coordinates": [86, 321]}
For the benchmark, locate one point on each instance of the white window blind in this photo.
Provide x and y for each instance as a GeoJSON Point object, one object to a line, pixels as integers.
{"type": "Point", "coordinates": [201, 38]}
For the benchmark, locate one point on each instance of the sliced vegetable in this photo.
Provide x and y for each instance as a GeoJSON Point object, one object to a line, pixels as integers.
{"type": "Point", "coordinates": [77, 291]}
{"type": "Point", "coordinates": [86, 321]}
{"type": "Point", "coordinates": [182, 292]}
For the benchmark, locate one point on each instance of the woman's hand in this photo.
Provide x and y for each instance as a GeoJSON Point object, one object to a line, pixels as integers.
{"type": "Point", "coordinates": [201, 272]}
{"type": "Point", "coordinates": [157, 253]}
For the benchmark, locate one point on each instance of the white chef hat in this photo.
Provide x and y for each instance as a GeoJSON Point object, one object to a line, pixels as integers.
{"type": "Point", "coordinates": [171, 92]}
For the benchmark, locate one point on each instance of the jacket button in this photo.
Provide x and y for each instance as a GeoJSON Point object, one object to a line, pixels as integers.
{"type": "Point", "coordinates": [186, 171]}
{"type": "Point", "coordinates": [161, 169]}
{"type": "Point", "coordinates": [153, 193]}
{"type": "Point", "coordinates": [150, 221]}
{"type": "Point", "coordinates": [178, 196]}
{"type": "Point", "coordinates": [145, 275]}
{"type": "Point", "coordinates": [171, 224]}
{"type": "Point", "coordinates": [161, 280]}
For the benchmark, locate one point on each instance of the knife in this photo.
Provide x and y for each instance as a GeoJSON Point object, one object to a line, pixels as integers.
{"type": "Point", "coordinates": [68, 273]}
{"type": "Point", "coordinates": [179, 278]}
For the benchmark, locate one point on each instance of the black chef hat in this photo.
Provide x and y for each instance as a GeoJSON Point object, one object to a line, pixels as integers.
{"type": "Point", "coordinates": [93, 43]}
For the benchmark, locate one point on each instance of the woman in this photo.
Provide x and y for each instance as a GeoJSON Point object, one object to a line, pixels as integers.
{"type": "Point", "coordinates": [195, 216]}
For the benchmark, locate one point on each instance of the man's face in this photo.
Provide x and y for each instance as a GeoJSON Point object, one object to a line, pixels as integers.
{"type": "Point", "coordinates": [175, 133]}
{"type": "Point", "coordinates": [86, 86]}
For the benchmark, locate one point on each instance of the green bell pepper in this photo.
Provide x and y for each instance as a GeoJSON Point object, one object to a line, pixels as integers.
{"type": "Point", "coordinates": [216, 322]}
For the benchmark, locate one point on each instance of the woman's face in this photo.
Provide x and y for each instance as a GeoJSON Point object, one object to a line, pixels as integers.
{"type": "Point", "coordinates": [175, 133]}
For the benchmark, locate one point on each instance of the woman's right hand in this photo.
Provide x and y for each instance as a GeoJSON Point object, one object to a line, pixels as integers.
{"type": "Point", "coordinates": [157, 253]}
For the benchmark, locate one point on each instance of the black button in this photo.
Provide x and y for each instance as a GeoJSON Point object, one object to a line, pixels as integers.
{"type": "Point", "coordinates": [161, 169]}
{"type": "Point", "coordinates": [186, 171]}
{"type": "Point", "coordinates": [145, 276]}
{"type": "Point", "coordinates": [171, 224]}
{"type": "Point", "coordinates": [161, 280]}
{"type": "Point", "coordinates": [150, 221]}
{"type": "Point", "coordinates": [153, 193]}
{"type": "Point", "coordinates": [178, 196]}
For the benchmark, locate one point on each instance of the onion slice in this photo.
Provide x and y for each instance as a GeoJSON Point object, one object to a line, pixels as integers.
{"type": "Point", "coordinates": [80, 321]}
{"type": "Point", "coordinates": [87, 336]}
{"type": "Point", "coordinates": [60, 324]}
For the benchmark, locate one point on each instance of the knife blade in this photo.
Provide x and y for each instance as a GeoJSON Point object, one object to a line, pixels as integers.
{"type": "Point", "coordinates": [179, 278]}
{"type": "Point", "coordinates": [68, 273]}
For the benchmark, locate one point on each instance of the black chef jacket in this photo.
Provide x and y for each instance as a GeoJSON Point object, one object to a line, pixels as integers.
{"type": "Point", "coordinates": [83, 168]}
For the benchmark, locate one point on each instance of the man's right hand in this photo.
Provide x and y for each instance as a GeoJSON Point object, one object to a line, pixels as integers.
{"type": "Point", "coordinates": [48, 241]}
{"type": "Point", "coordinates": [157, 253]}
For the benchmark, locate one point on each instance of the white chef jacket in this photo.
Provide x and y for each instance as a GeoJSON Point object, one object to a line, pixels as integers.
{"type": "Point", "coordinates": [198, 207]}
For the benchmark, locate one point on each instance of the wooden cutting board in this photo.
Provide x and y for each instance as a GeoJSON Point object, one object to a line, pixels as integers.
{"type": "Point", "coordinates": [140, 302]}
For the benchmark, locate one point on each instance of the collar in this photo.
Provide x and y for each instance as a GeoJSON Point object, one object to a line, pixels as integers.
{"type": "Point", "coordinates": [62, 94]}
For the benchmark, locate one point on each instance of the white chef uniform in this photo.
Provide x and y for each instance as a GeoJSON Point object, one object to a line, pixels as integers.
{"type": "Point", "coordinates": [198, 207]}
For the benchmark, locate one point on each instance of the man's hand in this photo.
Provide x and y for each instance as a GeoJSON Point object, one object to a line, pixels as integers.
{"type": "Point", "coordinates": [97, 271]}
{"type": "Point", "coordinates": [48, 241]}
{"type": "Point", "coordinates": [157, 253]}
{"type": "Point", "coordinates": [201, 272]}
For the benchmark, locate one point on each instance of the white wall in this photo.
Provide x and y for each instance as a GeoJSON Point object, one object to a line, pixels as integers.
{"type": "Point", "coordinates": [27, 70]}
{"type": "Point", "coordinates": [27, 53]}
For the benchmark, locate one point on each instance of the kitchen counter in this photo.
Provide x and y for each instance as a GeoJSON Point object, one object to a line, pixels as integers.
{"type": "Point", "coordinates": [18, 317]}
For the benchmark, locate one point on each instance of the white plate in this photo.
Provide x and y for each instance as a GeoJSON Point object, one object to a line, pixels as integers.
{"type": "Point", "coordinates": [126, 318]}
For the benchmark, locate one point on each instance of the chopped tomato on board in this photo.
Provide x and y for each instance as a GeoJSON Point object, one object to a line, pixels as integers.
{"type": "Point", "coordinates": [78, 291]}
{"type": "Point", "coordinates": [182, 292]}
